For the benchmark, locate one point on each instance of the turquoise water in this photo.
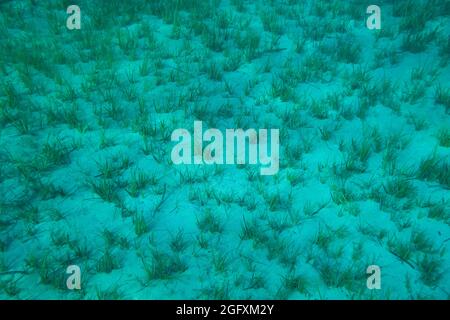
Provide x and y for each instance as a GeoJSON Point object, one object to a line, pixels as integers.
{"type": "Point", "coordinates": [96, 204]}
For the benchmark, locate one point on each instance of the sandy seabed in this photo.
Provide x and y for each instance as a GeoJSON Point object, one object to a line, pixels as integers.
{"type": "Point", "coordinates": [86, 176]}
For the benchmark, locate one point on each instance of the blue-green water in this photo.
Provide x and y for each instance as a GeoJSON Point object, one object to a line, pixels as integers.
{"type": "Point", "coordinates": [108, 190]}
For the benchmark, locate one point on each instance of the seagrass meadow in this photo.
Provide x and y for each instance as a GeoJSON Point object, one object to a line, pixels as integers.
{"type": "Point", "coordinates": [88, 186]}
